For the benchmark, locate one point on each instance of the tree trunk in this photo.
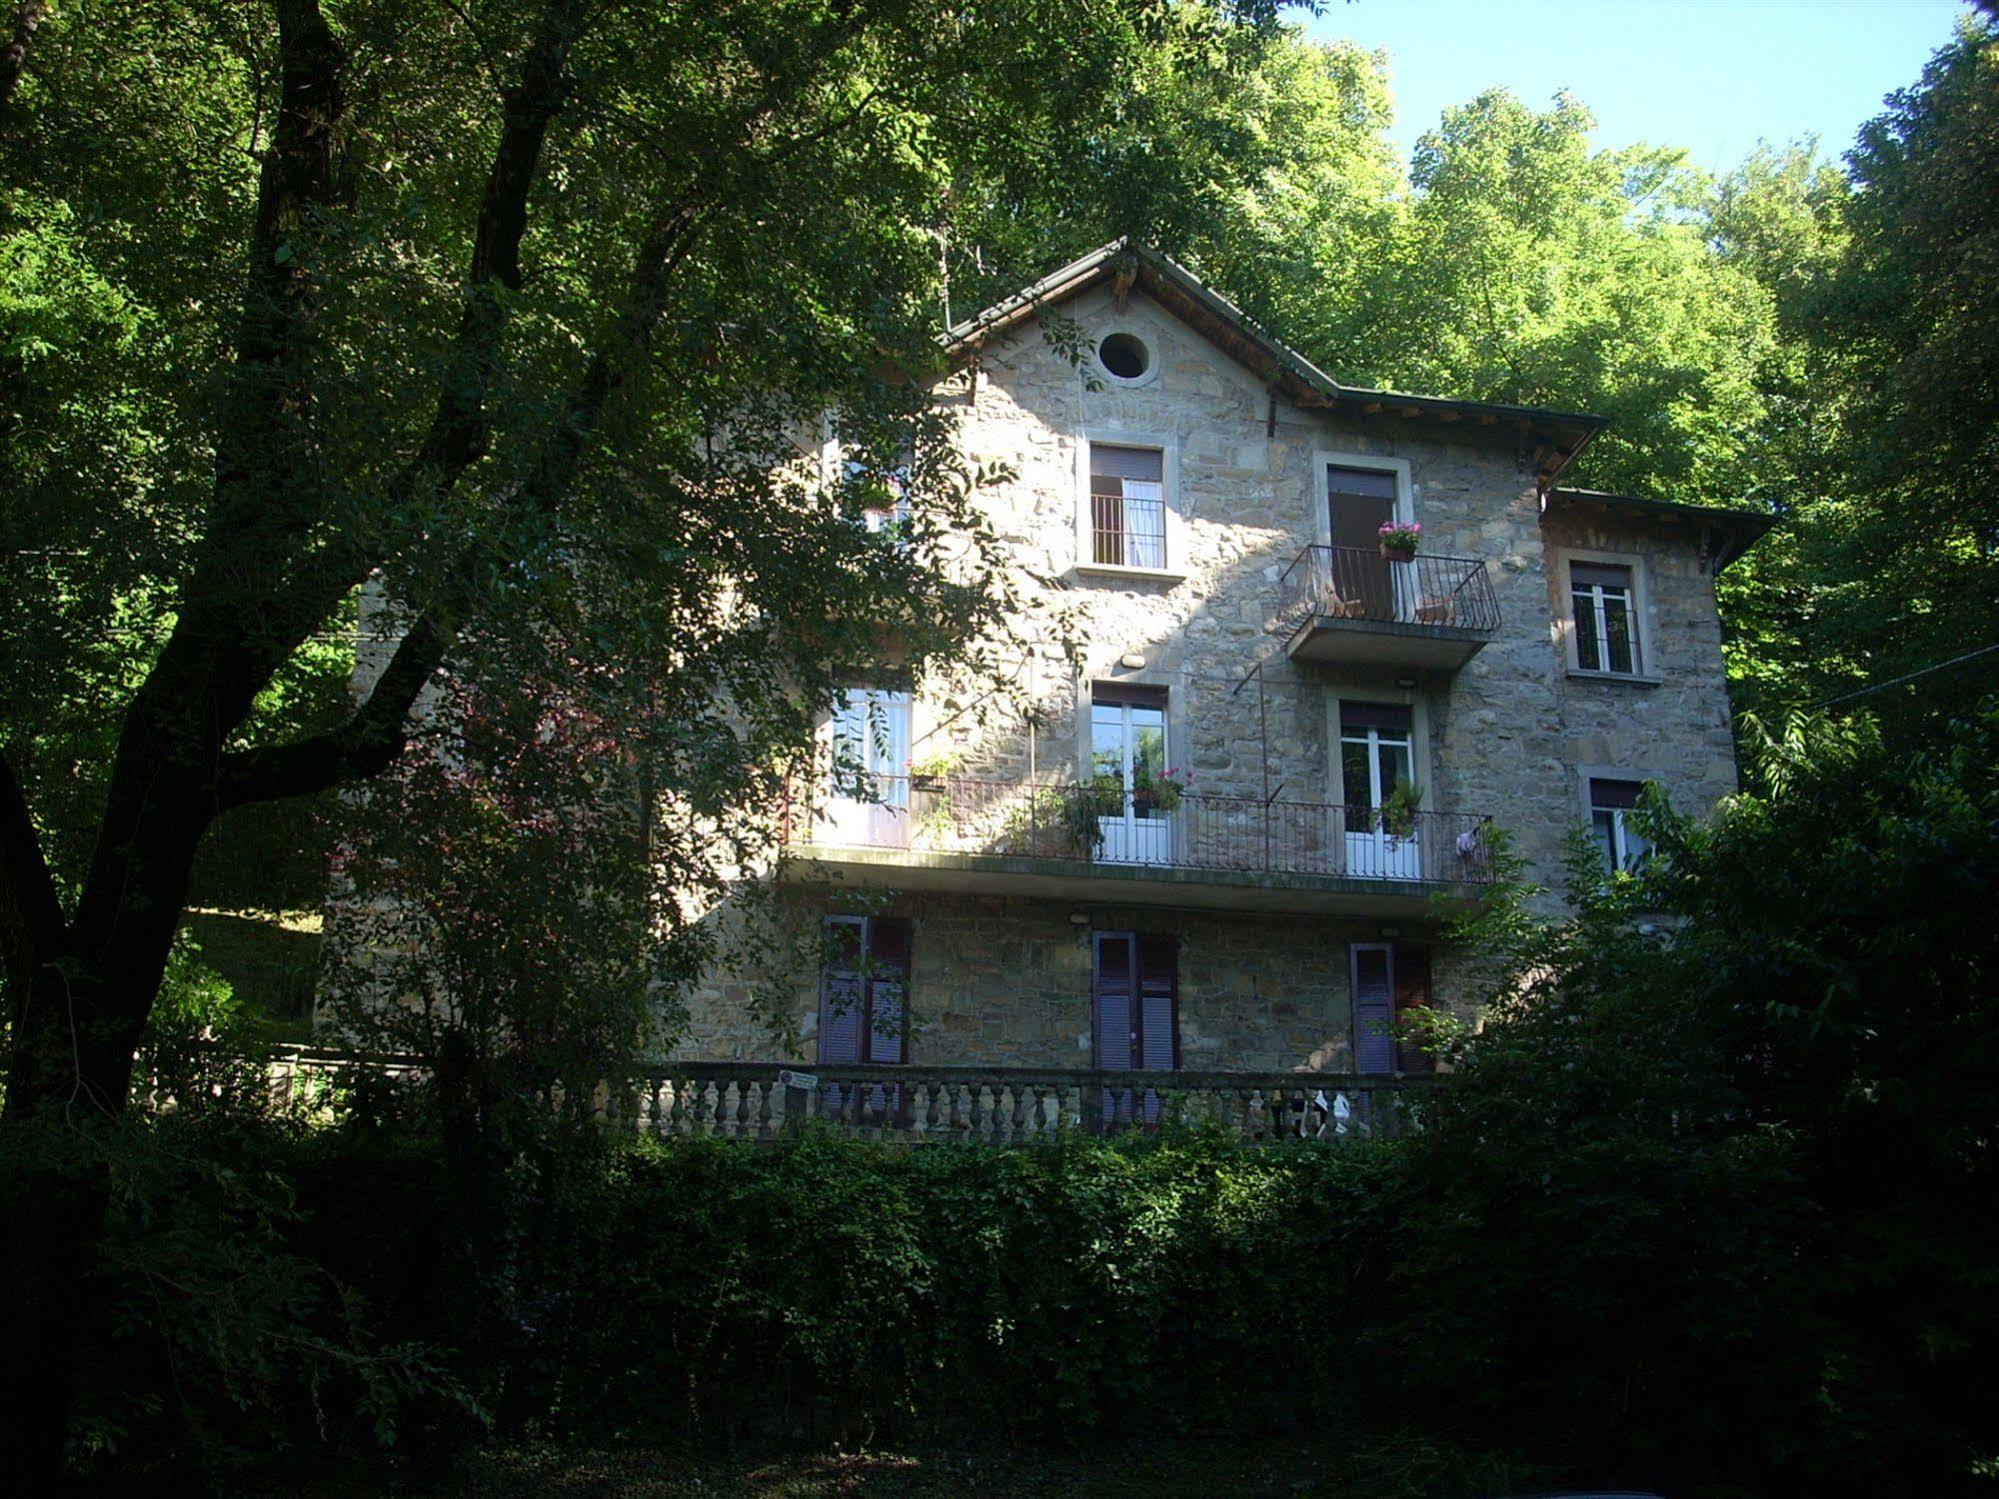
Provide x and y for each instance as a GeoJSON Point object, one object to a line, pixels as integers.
{"type": "Point", "coordinates": [75, 1032]}
{"type": "Point", "coordinates": [65, 1094]}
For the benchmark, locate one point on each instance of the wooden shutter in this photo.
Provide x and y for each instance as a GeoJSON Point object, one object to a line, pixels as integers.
{"type": "Point", "coordinates": [1373, 1011]}
{"type": "Point", "coordinates": [1112, 1017]}
{"type": "Point", "coordinates": [1412, 992]}
{"type": "Point", "coordinates": [887, 1038]}
{"type": "Point", "coordinates": [842, 995]}
{"type": "Point", "coordinates": [1158, 1048]}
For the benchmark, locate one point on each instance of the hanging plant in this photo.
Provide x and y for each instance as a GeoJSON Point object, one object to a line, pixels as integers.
{"type": "Point", "coordinates": [1400, 540]}
{"type": "Point", "coordinates": [1399, 809]}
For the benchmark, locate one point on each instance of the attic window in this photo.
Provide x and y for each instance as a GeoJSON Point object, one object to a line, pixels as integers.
{"type": "Point", "coordinates": [1124, 356]}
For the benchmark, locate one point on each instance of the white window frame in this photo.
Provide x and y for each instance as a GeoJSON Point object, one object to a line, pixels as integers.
{"type": "Point", "coordinates": [901, 697]}
{"type": "Point", "coordinates": [1647, 672]}
{"type": "Point", "coordinates": [1419, 736]}
{"type": "Point", "coordinates": [1169, 473]}
{"type": "Point", "coordinates": [1587, 775]}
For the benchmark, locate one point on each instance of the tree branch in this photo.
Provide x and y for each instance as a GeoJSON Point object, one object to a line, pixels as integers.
{"type": "Point", "coordinates": [14, 55]}
{"type": "Point", "coordinates": [379, 728]}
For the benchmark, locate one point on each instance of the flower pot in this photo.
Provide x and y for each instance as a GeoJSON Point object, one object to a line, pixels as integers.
{"type": "Point", "coordinates": [1397, 554]}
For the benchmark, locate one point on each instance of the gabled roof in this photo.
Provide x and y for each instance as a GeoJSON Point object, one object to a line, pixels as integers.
{"type": "Point", "coordinates": [1725, 534]}
{"type": "Point", "coordinates": [1552, 438]}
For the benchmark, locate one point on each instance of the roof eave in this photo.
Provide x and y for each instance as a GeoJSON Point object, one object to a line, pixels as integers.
{"type": "Point", "coordinates": [1728, 533]}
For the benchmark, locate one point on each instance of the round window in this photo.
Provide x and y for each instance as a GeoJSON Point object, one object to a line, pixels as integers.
{"type": "Point", "coordinates": [1124, 356]}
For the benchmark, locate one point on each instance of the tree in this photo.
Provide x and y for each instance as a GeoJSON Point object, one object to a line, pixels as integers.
{"type": "Point", "coordinates": [1759, 1081]}
{"type": "Point", "coordinates": [1888, 402]}
{"type": "Point", "coordinates": [516, 310]}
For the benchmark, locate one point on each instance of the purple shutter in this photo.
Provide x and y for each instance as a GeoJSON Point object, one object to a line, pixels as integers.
{"type": "Point", "coordinates": [888, 981]}
{"type": "Point", "coordinates": [1412, 992]}
{"type": "Point", "coordinates": [1373, 1017]}
{"type": "Point", "coordinates": [843, 1004]}
{"type": "Point", "coordinates": [1113, 1018]}
{"type": "Point", "coordinates": [1158, 1020]}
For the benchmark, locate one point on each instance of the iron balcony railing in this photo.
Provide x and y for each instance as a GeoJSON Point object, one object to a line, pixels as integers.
{"type": "Point", "coordinates": [1058, 821]}
{"type": "Point", "coordinates": [1358, 583]}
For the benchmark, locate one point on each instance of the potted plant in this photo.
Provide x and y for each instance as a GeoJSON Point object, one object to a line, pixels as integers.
{"type": "Point", "coordinates": [1400, 540]}
{"type": "Point", "coordinates": [1399, 808]}
{"type": "Point", "coordinates": [1158, 791]}
{"type": "Point", "coordinates": [929, 772]}
{"type": "Point", "coordinates": [1085, 808]}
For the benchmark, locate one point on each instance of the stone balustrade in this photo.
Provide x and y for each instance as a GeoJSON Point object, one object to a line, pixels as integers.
{"type": "Point", "coordinates": [1010, 1105]}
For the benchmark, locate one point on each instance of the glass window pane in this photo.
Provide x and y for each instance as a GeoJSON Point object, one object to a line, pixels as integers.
{"type": "Point", "coordinates": [1394, 765]}
{"type": "Point", "coordinates": [1617, 631]}
{"type": "Point", "coordinates": [1588, 647]}
{"type": "Point", "coordinates": [1604, 824]}
{"type": "Point", "coordinates": [1635, 847]}
{"type": "Point", "coordinates": [1354, 783]}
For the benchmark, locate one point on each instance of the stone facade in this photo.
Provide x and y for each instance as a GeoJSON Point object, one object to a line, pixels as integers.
{"type": "Point", "coordinates": [1005, 979]}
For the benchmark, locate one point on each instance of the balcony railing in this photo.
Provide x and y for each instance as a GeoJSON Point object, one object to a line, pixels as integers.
{"type": "Point", "coordinates": [1359, 583]}
{"type": "Point", "coordinates": [1002, 819]}
{"type": "Point", "coordinates": [1011, 1105]}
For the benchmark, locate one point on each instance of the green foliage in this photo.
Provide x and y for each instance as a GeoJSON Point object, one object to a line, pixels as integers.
{"type": "Point", "coordinates": [835, 1288]}
{"type": "Point", "coordinates": [1717, 1156]}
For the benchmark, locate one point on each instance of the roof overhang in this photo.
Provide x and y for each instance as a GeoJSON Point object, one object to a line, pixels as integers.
{"type": "Point", "coordinates": [1725, 534]}
{"type": "Point", "coordinates": [1550, 439]}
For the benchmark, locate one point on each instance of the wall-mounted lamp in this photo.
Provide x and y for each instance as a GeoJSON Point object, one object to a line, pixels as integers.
{"type": "Point", "coordinates": [1131, 660]}
{"type": "Point", "coordinates": [1079, 918]}
{"type": "Point", "coordinates": [1407, 684]}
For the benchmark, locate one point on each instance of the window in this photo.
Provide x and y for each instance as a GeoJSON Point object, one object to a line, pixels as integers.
{"type": "Point", "coordinates": [868, 789]}
{"type": "Point", "coordinates": [1388, 983]}
{"type": "Point", "coordinates": [1377, 755]}
{"type": "Point", "coordinates": [1610, 807]}
{"type": "Point", "coordinates": [1135, 1016]}
{"type": "Point", "coordinates": [1128, 746]}
{"type": "Point", "coordinates": [1124, 356]}
{"type": "Point", "coordinates": [863, 1008]}
{"type": "Point", "coordinates": [1127, 506]}
{"type": "Point", "coordinates": [1606, 615]}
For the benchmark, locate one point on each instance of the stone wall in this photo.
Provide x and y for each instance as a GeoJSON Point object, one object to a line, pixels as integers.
{"type": "Point", "coordinates": [1511, 734]}
{"type": "Point", "coordinates": [1005, 982]}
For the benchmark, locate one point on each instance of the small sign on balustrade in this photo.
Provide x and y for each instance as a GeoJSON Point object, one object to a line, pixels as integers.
{"type": "Point", "coordinates": [786, 1078]}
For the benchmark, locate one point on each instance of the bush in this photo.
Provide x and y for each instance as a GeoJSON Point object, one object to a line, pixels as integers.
{"type": "Point", "coordinates": [828, 1288]}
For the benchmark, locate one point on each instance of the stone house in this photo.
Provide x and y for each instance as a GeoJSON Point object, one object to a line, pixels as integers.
{"type": "Point", "coordinates": [1215, 845]}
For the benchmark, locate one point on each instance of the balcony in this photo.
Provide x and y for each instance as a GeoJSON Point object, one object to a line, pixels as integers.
{"type": "Point", "coordinates": [1349, 606]}
{"type": "Point", "coordinates": [1055, 840]}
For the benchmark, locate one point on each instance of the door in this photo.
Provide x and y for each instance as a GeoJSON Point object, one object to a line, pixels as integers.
{"type": "Point", "coordinates": [1359, 502]}
{"type": "Point", "coordinates": [1128, 747]}
{"type": "Point", "coordinates": [863, 1009]}
{"type": "Point", "coordinates": [1135, 1019]}
{"type": "Point", "coordinates": [1373, 1007]}
{"type": "Point", "coordinates": [1377, 754]}
{"type": "Point", "coordinates": [869, 795]}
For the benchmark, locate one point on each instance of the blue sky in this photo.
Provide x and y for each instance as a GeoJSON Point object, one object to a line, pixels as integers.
{"type": "Point", "coordinates": [1711, 75]}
